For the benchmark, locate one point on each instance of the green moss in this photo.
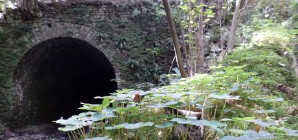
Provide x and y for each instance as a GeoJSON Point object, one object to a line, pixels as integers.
{"type": "Point", "coordinates": [273, 37]}
{"type": "Point", "coordinates": [292, 122]}
{"type": "Point", "coordinates": [13, 45]}
{"type": "Point", "coordinates": [272, 68]}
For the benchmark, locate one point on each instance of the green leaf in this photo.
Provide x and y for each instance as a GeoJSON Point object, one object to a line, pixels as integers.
{"type": "Point", "coordinates": [105, 114]}
{"type": "Point", "coordinates": [121, 110]}
{"type": "Point", "coordinates": [148, 124]}
{"type": "Point", "coordinates": [184, 7]}
{"type": "Point", "coordinates": [229, 138]}
{"type": "Point", "coordinates": [116, 126]}
{"type": "Point", "coordinates": [68, 128]}
{"type": "Point", "coordinates": [244, 119]}
{"type": "Point", "coordinates": [134, 126]}
{"type": "Point", "coordinates": [263, 123]}
{"type": "Point", "coordinates": [157, 106]}
{"type": "Point", "coordinates": [92, 107]}
{"type": "Point", "coordinates": [105, 102]}
{"type": "Point", "coordinates": [133, 109]}
{"type": "Point", "coordinates": [291, 132]}
{"type": "Point", "coordinates": [264, 111]}
{"type": "Point", "coordinates": [125, 90]}
{"type": "Point", "coordinates": [130, 126]}
{"type": "Point", "coordinates": [181, 121]}
{"type": "Point", "coordinates": [203, 107]}
{"type": "Point", "coordinates": [235, 87]}
{"type": "Point", "coordinates": [70, 121]}
{"type": "Point", "coordinates": [237, 131]}
{"type": "Point", "coordinates": [224, 96]}
{"type": "Point", "coordinates": [165, 125]}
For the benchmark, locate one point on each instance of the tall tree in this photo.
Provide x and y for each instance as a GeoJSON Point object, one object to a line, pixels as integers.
{"type": "Point", "coordinates": [183, 38]}
{"type": "Point", "coordinates": [175, 38]}
{"type": "Point", "coordinates": [233, 27]}
{"type": "Point", "coordinates": [200, 42]}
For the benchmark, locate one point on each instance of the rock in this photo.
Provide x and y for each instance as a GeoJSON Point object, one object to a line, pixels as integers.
{"type": "Point", "coordinates": [293, 110]}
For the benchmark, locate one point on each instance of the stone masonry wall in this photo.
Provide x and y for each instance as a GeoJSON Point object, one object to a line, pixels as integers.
{"type": "Point", "coordinates": [124, 33]}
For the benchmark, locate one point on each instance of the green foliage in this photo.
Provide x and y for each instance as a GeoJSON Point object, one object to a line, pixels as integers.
{"type": "Point", "coordinates": [242, 98]}
{"type": "Point", "coordinates": [228, 90]}
{"type": "Point", "coordinates": [144, 70]}
{"type": "Point", "coordinates": [292, 122]}
{"type": "Point", "coordinates": [3, 36]}
{"type": "Point", "coordinates": [277, 37]}
{"type": "Point", "coordinates": [271, 68]}
{"type": "Point", "coordinates": [276, 9]}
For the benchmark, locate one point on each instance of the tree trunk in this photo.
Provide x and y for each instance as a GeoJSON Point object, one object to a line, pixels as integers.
{"type": "Point", "coordinates": [183, 39]}
{"type": "Point", "coordinates": [175, 39]}
{"type": "Point", "coordinates": [233, 27]}
{"type": "Point", "coordinates": [200, 44]}
{"type": "Point", "coordinates": [30, 9]}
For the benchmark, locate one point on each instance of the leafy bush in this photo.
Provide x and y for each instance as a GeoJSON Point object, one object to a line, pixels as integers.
{"type": "Point", "coordinates": [225, 97]}
{"type": "Point", "coordinates": [242, 98]}
{"type": "Point", "coordinates": [271, 68]}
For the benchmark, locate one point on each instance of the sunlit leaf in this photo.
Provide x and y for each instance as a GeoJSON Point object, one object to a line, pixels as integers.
{"type": "Point", "coordinates": [116, 126]}
{"type": "Point", "coordinates": [224, 96]}
{"type": "Point", "coordinates": [134, 126]}
{"type": "Point", "coordinates": [92, 107]}
{"type": "Point", "coordinates": [105, 102]}
{"type": "Point", "coordinates": [68, 128]}
{"type": "Point", "coordinates": [226, 119]}
{"type": "Point", "coordinates": [265, 135]}
{"type": "Point", "coordinates": [235, 87]}
{"type": "Point", "coordinates": [237, 131]}
{"type": "Point", "coordinates": [229, 138]}
{"type": "Point", "coordinates": [250, 135]}
{"type": "Point", "coordinates": [157, 106]}
{"type": "Point", "coordinates": [132, 109]}
{"type": "Point", "coordinates": [263, 123]}
{"type": "Point", "coordinates": [130, 126]}
{"type": "Point", "coordinates": [264, 111]}
{"type": "Point", "coordinates": [244, 119]}
{"type": "Point", "coordinates": [291, 132]}
{"type": "Point", "coordinates": [212, 124]}
{"type": "Point", "coordinates": [203, 107]}
{"type": "Point", "coordinates": [121, 109]}
{"type": "Point", "coordinates": [69, 121]}
{"type": "Point", "coordinates": [123, 90]}
{"type": "Point", "coordinates": [102, 115]}
{"type": "Point", "coordinates": [176, 95]}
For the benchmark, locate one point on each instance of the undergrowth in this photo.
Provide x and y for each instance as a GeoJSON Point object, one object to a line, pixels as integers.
{"type": "Point", "coordinates": [252, 94]}
{"type": "Point", "coordinates": [232, 102]}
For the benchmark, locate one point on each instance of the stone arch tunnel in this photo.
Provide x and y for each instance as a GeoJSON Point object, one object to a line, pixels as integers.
{"type": "Point", "coordinates": [54, 76]}
{"type": "Point", "coordinates": [111, 33]}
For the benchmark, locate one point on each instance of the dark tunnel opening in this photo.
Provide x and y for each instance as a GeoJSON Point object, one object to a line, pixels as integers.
{"type": "Point", "coordinates": [59, 73]}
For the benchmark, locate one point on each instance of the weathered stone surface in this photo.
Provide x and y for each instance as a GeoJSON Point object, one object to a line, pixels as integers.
{"type": "Point", "coordinates": [110, 26]}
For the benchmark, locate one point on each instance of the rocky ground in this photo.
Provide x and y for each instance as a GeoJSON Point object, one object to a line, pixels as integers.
{"type": "Point", "coordinates": [36, 132]}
